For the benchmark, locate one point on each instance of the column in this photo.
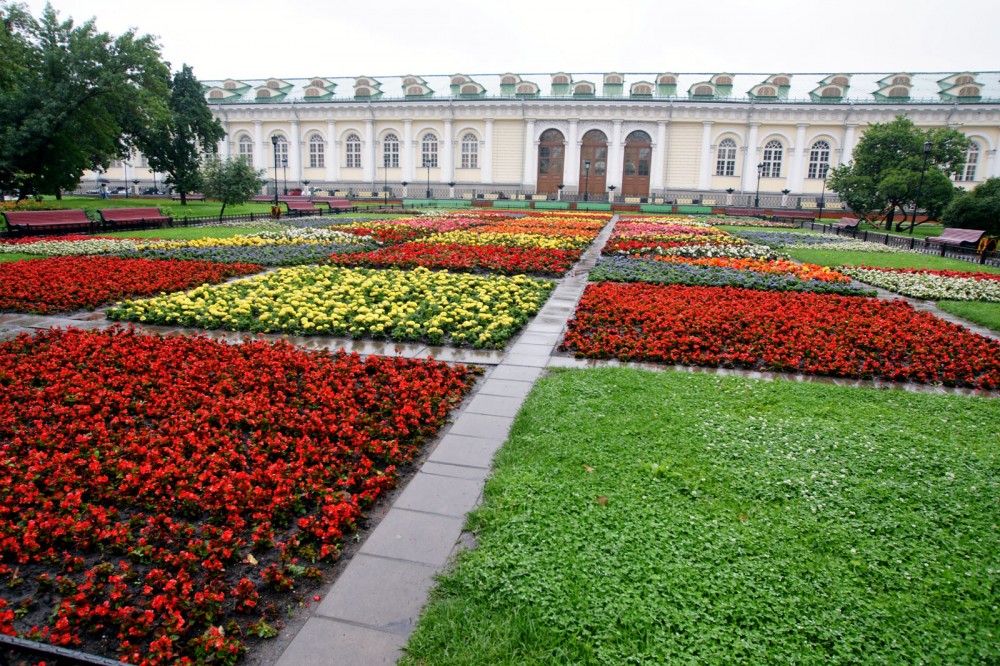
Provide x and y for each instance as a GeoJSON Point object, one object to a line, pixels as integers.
{"type": "Point", "coordinates": [368, 152]}
{"type": "Point", "coordinates": [259, 154]}
{"type": "Point", "coordinates": [847, 148]}
{"type": "Point", "coordinates": [748, 177]}
{"type": "Point", "coordinates": [225, 146]}
{"type": "Point", "coordinates": [406, 152]}
{"type": "Point", "coordinates": [530, 173]}
{"type": "Point", "coordinates": [571, 166]}
{"type": "Point", "coordinates": [616, 156]}
{"type": "Point", "coordinates": [486, 163]}
{"type": "Point", "coordinates": [796, 175]}
{"type": "Point", "coordinates": [295, 153]}
{"type": "Point", "coordinates": [448, 153]}
{"type": "Point", "coordinates": [656, 168]}
{"type": "Point", "coordinates": [332, 153]}
{"type": "Point", "coordinates": [992, 165]}
{"type": "Point", "coordinates": [705, 172]}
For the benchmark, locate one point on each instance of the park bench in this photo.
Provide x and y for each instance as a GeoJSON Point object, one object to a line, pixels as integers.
{"type": "Point", "coordinates": [794, 215]}
{"type": "Point", "coordinates": [303, 208]}
{"type": "Point", "coordinates": [743, 212]}
{"type": "Point", "coordinates": [336, 204]}
{"type": "Point", "coordinates": [958, 238]}
{"type": "Point", "coordinates": [117, 218]}
{"type": "Point", "coordinates": [847, 224]}
{"type": "Point", "coordinates": [262, 198]}
{"type": "Point", "coordinates": [47, 221]}
{"type": "Point", "coordinates": [193, 196]}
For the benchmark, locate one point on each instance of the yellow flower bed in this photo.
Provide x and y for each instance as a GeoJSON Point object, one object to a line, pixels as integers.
{"type": "Point", "coordinates": [484, 311]}
{"type": "Point", "coordinates": [237, 241]}
{"type": "Point", "coordinates": [510, 240]}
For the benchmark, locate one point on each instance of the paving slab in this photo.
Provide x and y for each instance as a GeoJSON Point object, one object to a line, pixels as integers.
{"type": "Point", "coordinates": [325, 642]}
{"type": "Point", "coordinates": [477, 473]}
{"type": "Point", "coordinates": [539, 338]}
{"type": "Point", "coordinates": [516, 372]}
{"type": "Point", "coordinates": [494, 405]}
{"type": "Point", "coordinates": [414, 536]}
{"type": "Point", "coordinates": [481, 425]}
{"type": "Point", "coordinates": [466, 450]}
{"type": "Point", "coordinates": [442, 495]}
{"type": "Point", "coordinates": [506, 387]}
{"type": "Point", "coordinates": [381, 593]}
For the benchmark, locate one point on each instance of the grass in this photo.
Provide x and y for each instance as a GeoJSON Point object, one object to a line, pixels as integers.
{"type": "Point", "coordinates": [637, 517]}
{"type": "Point", "coordinates": [884, 259]}
{"type": "Point", "coordinates": [19, 256]}
{"type": "Point", "coordinates": [984, 314]}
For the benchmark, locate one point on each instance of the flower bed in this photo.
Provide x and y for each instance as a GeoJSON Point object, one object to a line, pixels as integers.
{"type": "Point", "coordinates": [636, 269]}
{"type": "Point", "coordinates": [497, 258]}
{"type": "Point", "coordinates": [166, 498]}
{"type": "Point", "coordinates": [266, 255]}
{"type": "Point", "coordinates": [74, 246]}
{"type": "Point", "coordinates": [931, 284]}
{"type": "Point", "coordinates": [484, 311]}
{"type": "Point", "coordinates": [507, 239]}
{"type": "Point", "coordinates": [817, 334]}
{"type": "Point", "coordinates": [814, 241]}
{"type": "Point", "coordinates": [62, 284]}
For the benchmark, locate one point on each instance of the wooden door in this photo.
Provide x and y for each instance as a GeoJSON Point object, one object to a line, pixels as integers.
{"type": "Point", "coordinates": [635, 168]}
{"type": "Point", "coordinates": [551, 156]}
{"type": "Point", "coordinates": [594, 151]}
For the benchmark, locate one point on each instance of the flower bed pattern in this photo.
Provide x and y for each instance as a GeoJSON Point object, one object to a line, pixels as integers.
{"type": "Point", "coordinates": [817, 334]}
{"type": "Point", "coordinates": [508, 260]}
{"type": "Point", "coordinates": [266, 255]}
{"type": "Point", "coordinates": [484, 311]}
{"type": "Point", "coordinates": [629, 269]}
{"type": "Point", "coordinates": [159, 493]}
{"type": "Point", "coordinates": [772, 266]}
{"type": "Point", "coordinates": [71, 283]}
{"type": "Point", "coordinates": [930, 284]}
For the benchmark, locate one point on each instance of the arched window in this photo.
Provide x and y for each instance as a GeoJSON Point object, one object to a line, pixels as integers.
{"type": "Point", "coordinates": [969, 91]}
{"type": "Point", "coordinates": [245, 148]}
{"type": "Point", "coordinates": [352, 148]}
{"type": "Point", "coordinates": [317, 152]}
{"type": "Point", "coordinates": [840, 81]}
{"type": "Point", "coordinates": [723, 81]}
{"type": "Point", "coordinates": [703, 90]}
{"type": "Point", "coordinates": [508, 80]}
{"type": "Point", "coordinates": [470, 151]}
{"type": "Point", "coordinates": [263, 94]}
{"type": "Point", "coordinates": [667, 80]}
{"type": "Point", "coordinates": [899, 91]}
{"type": "Point", "coordinates": [831, 91]}
{"type": "Point", "coordinates": [766, 91]}
{"type": "Point", "coordinates": [281, 151]}
{"type": "Point", "coordinates": [901, 81]}
{"type": "Point", "coordinates": [215, 94]}
{"type": "Point", "coordinates": [772, 159]}
{"type": "Point", "coordinates": [429, 150]}
{"type": "Point", "coordinates": [725, 164]}
{"type": "Point", "coordinates": [274, 85]}
{"type": "Point", "coordinates": [390, 151]}
{"type": "Point", "coordinates": [229, 85]}
{"type": "Point", "coordinates": [781, 81]}
{"type": "Point", "coordinates": [971, 162]}
{"type": "Point", "coordinates": [819, 159]}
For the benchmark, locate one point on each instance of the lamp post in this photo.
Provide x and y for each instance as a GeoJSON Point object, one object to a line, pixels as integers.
{"type": "Point", "coordinates": [756, 196]}
{"type": "Point", "coordinates": [274, 146]}
{"type": "Point", "coordinates": [406, 192]}
{"type": "Point", "coordinates": [611, 193]}
{"type": "Point", "coordinates": [156, 189]}
{"type": "Point", "coordinates": [427, 165]}
{"type": "Point", "coordinates": [560, 187]}
{"type": "Point", "coordinates": [822, 196]}
{"type": "Point", "coordinates": [305, 190]}
{"type": "Point", "coordinates": [586, 179]}
{"type": "Point", "coordinates": [125, 176]}
{"type": "Point", "coordinates": [284, 175]}
{"type": "Point", "coordinates": [920, 184]}
{"type": "Point", "coordinates": [385, 179]}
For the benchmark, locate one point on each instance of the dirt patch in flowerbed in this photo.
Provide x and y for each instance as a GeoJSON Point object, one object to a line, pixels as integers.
{"type": "Point", "coordinates": [172, 497]}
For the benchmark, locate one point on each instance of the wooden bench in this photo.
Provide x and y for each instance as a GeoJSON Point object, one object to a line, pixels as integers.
{"type": "Point", "coordinates": [794, 215]}
{"type": "Point", "coordinates": [957, 238]}
{"type": "Point", "coordinates": [303, 208]}
{"type": "Point", "coordinates": [116, 218]}
{"type": "Point", "coordinates": [336, 204]}
{"type": "Point", "coordinates": [47, 221]}
{"type": "Point", "coordinates": [743, 212]}
{"type": "Point", "coordinates": [189, 197]}
{"type": "Point", "coordinates": [847, 223]}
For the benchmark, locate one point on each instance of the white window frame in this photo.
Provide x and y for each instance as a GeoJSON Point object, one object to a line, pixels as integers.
{"type": "Point", "coordinates": [971, 163]}
{"type": "Point", "coordinates": [470, 151]}
{"type": "Point", "coordinates": [819, 159]}
{"type": "Point", "coordinates": [317, 152]}
{"type": "Point", "coordinates": [725, 163]}
{"type": "Point", "coordinates": [245, 148]}
{"type": "Point", "coordinates": [352, 151]}
{"type": "Point", "coordinates": [774, 152]}
{"type": "Point", "coordinates": [390, 151]}
{"type": "Point", "coordinates": [429, 150]}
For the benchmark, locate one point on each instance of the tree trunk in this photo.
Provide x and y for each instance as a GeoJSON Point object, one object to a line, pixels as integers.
{"type": "Point", "coordinates": [58, 195]}
{"type": "Point", "coordinates": [222, 210]}
{"type": "Point", "coordinates": [888, 218]}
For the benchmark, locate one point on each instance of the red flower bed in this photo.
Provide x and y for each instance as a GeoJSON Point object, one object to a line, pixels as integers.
{"type": "Point", "coordinates": [72, 283]}
{"type": "Point", "coordinates": [819, 334]}
{"type": "Point", "coordinates": [464, 257]}
{"type": "Point", "coordinates": [154, 490]}
{"type": "Point", "coordinates": [942, 273]}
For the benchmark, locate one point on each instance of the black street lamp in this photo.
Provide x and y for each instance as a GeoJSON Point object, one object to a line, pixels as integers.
{"type": "Point", "coordinates": [427, 165]}
{"type": "Point", "coordinates": [385, 179]}
{"type": "Point", "coordinates": [586, 179]}
{"type": "Point", "coordinates": [284, 174]}
{"type": "Point", "coordinates": [611, 192]}
{"type": "Point", "coordinates": [920, 184]}
{"type": "Point", "coordinates": [756, 196]}
{"type": "Point", "coordinates": [274, 146]}
{"type": "Point", "coordinates": [822, 196]}
{"type": "Point", "coordinates": [404, 184]}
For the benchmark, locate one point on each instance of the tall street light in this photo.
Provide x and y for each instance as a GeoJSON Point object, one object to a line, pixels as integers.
{"type": "Point", "coordinates": [427, 165]}
{"type": "Point", "coordinates": [274, 146]}
{"type": "Point", "coordinates": [586, 179]}
{"type": "Point", "coordinates": [920, 184]}
{"type": "Point", "coordinates": [385, 179]}
{"type": "Point", "coordinates": [284, 174]}
{"type": "Point", "coordinates": [822, 196]}
{"type": "Point", "coordinates": [756, 196]}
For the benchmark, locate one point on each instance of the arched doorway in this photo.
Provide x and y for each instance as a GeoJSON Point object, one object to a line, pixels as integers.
{"type": "Point", "coordinates": [594, 152]}
{"type": "Point", "coordinates": [635, 171]}
{"type": "Point", "coordinates": [551, 155]}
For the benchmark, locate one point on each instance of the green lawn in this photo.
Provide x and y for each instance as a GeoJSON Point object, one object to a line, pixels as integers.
{"type": "Point", "coordinates": [18, 256]}
{"type": "Point", "coordinates": [638, 518]}
{"type": "Point", "coordinates": [984, 314]}
{"type": "Point", "coordinates": [884, 259]}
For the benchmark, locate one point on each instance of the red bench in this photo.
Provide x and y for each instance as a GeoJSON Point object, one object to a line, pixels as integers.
{"type": "Point", "coordinates": [847, 223]}
{"type": "Point", "coordinates": [127, 217]}
{"type": "Point", "coordinates": [48, 221]}
{"type": "Point", "coordinates": [958, 238]}
{"type": "Point", "coordinates": [794, 215]}
{"type": "Point", "coordinates": [743, 212]}
{"type": "Point", "coordinates": [303, 208]}
{"type": "Point", "coordinates": [336, 204]}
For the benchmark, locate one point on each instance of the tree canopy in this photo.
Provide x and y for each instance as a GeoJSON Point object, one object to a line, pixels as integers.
{"type": "Point", "coordinates": [72, 98]}
{"type": "Point", "coordinates": [231, 181]}
{"type": "Point", "coordinates": [887, 165]}
{"type": "Point", "coordinates": [978, 209]}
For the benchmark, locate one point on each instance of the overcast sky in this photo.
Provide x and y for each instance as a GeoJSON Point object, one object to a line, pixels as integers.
{"type": "Point", "coordinates": [302, 38]}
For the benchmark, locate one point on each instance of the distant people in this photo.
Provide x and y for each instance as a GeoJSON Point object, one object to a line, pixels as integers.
{"type": "Point", "coordinates": [104, 191]}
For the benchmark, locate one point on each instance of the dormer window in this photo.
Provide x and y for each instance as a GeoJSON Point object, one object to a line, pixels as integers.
{"type": "Point", "coordinates": [899, 91]}
{"type": "Point", "coordinates": [642, 89]}
{"type": "Point", "coordinates": [560, 79]}
{"type": "Point", "coordinates": [667, 80]}
{"type": "Point", "coordinates": [703, 90]}
{"type": "Point", "coordinates": [901, 80]}
{"type": "Point", "coordinates": [362, 82]}
{"type": "Point", "coordinates": [831, 91]}
{"type": "Point", "coordinates": [613, 79]}
{"type": "Point", "coordinates": [724, 80]}
{"type": "Point", "coordinates": [508, 80]}
{"type": "Point", "coordinates": [415, 90]}
{"type": "Point", "coordinates": [318, 83]}
{"type": "Point", "coordinates": [411, 81]}
{"type": "Point", "coordinates": [583, 89]}
{"type": "Point", "coordinates": [215, 94]}
{"type": "Point", "coordinates": [969, 91]}
{"type": "Point", "coordinates": [263, 94]}
{"type": "Point", "coordinates": [766, 91]}
{"type": "Point", "coordinates": [363, 91]}
{"type": "Point", "coordinates": [229, 85]}
{"type": "Point", "coordinates": [458, 80]}
{"type": "Point", "coordinates": [840, 81]}
{"type": "Point", "coordinates": [526, 89]}
{"type": "Point", "coordinates": [313, 92]}
{"type": "Point", "coordinates": [963, 80]}
{"type": "Point", "coordinates": [781, 81]}
{"type": "Point", "coordinates": [273, 85]}
{"type": "Point", "coordinates": [469, 89]}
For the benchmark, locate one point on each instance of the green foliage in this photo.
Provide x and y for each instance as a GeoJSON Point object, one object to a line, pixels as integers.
{"type": "Point", "coordinates": [670, 518]}
{"type": "Point", "coordinates": [71, 98]}
{"type": "Point", "coordinates": [978, 312]}
{"type": "Point", "coordinates": [175, 147]}
{"type": "Point", "coordinates": [231, 181]}
{"type": "Point", "coordinates": [888, 161]}
{"type": "Point", "coordinates": [978, 209]}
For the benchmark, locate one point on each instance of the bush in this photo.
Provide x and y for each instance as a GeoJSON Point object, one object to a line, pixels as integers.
{"type": "Point", "coordinates": [978, 209]}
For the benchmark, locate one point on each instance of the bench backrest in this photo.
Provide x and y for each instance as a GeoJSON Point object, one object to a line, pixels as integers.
{"type": "Point", "coordinates": [17, 217]}
{"type": "Point", "coordinates": [120, 214]}
{"type": "Point", "coordinates": [849, 221]}
{"type": "Point", "coordinates": [741, 211]}
{"type": "Point", "coordinates": [300, 205]}
{"type": "Point", "coordinates": [962, 235]}
{"type": "Point", "coordinates": [293, 197]}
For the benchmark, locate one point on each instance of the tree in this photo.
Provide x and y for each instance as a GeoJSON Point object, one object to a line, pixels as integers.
{"type": "Point", "coordinates": [886, 171]}
{"type": "Point", "coordinates": [176, 147]}
{"type": "Point", "coordinates": [978, 209]}
{"type": "Point", "coordinates": [231, 181]}
{"type": "Point", "coordinates": [71, 98]}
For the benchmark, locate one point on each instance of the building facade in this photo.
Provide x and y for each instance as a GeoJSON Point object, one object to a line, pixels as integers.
{"type": "Point", "coordinates": [660, 135]}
